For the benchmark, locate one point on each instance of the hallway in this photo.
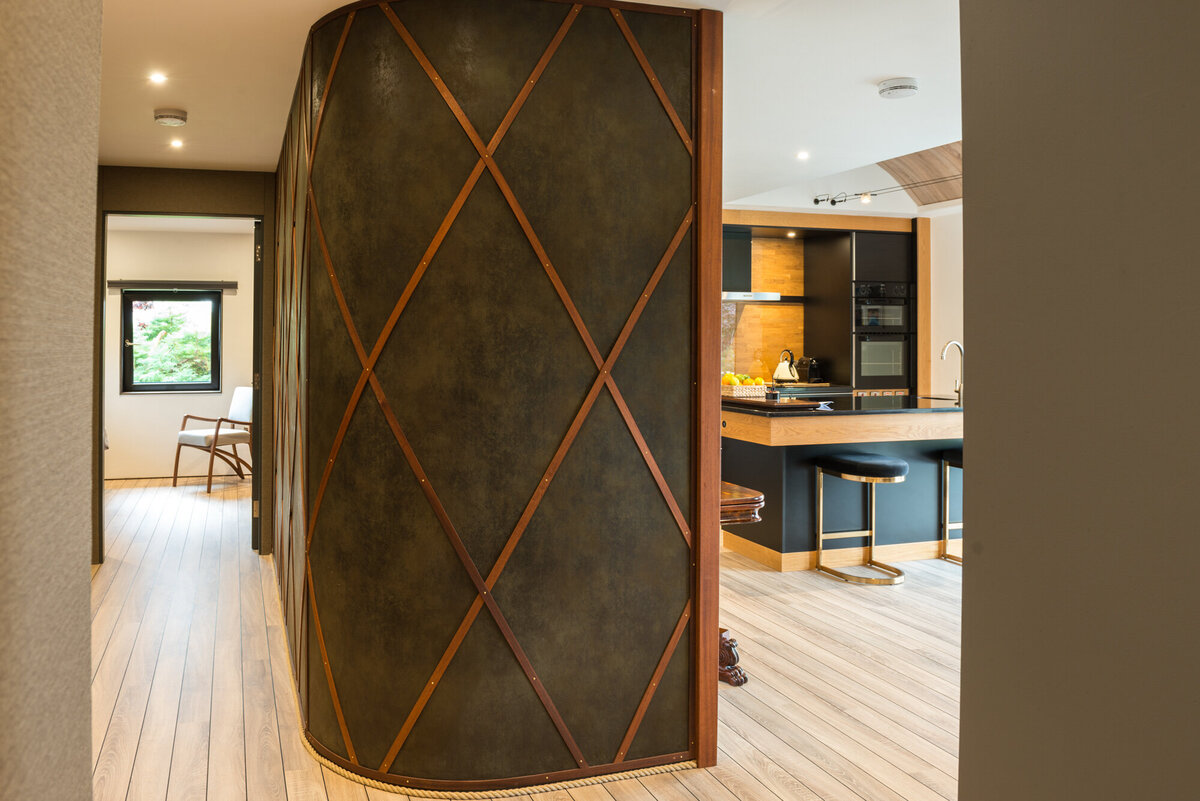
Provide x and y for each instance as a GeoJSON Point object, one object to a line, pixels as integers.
{"type": "Point", "coordinates": [853, 691]}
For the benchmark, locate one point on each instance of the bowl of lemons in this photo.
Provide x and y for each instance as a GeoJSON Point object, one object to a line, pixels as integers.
{"type": "Point", "coordinates": [740, 385]}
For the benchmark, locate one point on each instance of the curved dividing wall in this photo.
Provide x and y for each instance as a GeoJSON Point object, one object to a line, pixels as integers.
{"type": "Point", "coordinates": [496, 508]}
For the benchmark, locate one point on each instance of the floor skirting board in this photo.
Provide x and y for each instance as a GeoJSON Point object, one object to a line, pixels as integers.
{"type": "Point", "coordinates": [836, 557]}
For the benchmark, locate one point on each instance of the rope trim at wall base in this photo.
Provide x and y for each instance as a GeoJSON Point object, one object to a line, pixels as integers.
{"type": "Point", "coordinates": [417, 792]}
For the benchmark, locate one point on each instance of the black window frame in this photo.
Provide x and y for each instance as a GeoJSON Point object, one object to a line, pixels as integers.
{"type": "Point", "coordinates": [128, 296]}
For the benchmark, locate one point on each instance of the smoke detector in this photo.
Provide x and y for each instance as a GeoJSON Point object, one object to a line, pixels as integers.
{"type": "Point", "coordinates": [171, 117]}
{"type": "Point", "coordinates": [894, 88]}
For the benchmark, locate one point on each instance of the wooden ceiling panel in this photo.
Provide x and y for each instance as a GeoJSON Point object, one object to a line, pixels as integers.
{"type": "Point", "coordinates": [927, 165]}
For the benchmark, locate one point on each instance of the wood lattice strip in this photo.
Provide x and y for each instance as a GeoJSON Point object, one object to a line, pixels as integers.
{"type": "Point", "coordinates": [337, 54]}
{"type": "Point", "coordinates": [653, 78]}
{"type": "Point", "coordinates": [602, 378]}
{"type": "Point", "coordinates": [337, 705]}
{"type": "Point", "coordinates": [468, 564]}
{"type": "Point", "coordinates": [655, 680]}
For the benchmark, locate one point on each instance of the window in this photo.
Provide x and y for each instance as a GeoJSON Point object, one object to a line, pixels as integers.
{"type": "Point", "coordinates": [171, 341]}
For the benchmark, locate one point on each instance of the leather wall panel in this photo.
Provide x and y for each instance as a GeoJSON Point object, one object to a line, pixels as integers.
{"type": "Point", "coordinates": [321, 720]}
{"type": "Point", "coordinates": [366, 162]}
{"type": "Point", "coordinates": [598, 583]}
{"type": "Point", "coordinates": [486, 709]}
{"type": "Point", "coordinates": [664, 727]}
{"type": "Point", "coordinates": [323, 42]}
{"type": "Point", "coordinates": [486, 59]}
{"type": "Point", "coordinates": [487, 399]}
{"type": "Point", "coordinates": [667, 42]}
{"type": "Point", "coordinates": [330, 357]}
{"type": "Point", "coordinates": [386, 580]}
{"type": "Point", "coordinates": [600, 171]}
{"type": "Point", "coordinates": [655, 376]}
{"type": "Point", "coordinates": [484, 375]}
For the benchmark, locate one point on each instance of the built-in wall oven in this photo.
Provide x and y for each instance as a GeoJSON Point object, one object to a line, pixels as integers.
{"type": "Point", "coordinates": [882, 308]}
{"type": "Point", "coordinates": [882, 361]}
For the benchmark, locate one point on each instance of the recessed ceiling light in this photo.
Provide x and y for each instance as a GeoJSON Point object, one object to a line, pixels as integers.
{"type": "Point", "coordinates": [791, 234]}
{"type": "Point", "coordinates": [157, 77]}
{"type": "Point", "coordinates": [176, 143]}
{"type": "Point", "coordinates": [802, 155]}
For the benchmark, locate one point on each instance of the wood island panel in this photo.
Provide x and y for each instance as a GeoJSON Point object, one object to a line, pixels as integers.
{"type": "Point", "coordinates": [841, 428]}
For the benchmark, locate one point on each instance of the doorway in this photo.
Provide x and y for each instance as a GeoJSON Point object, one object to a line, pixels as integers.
{"type": "Point", "coordinates": [181, 333]}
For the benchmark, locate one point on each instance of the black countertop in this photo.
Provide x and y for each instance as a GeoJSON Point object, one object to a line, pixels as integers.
{"type": "Point", "coordinates": [838, 404]}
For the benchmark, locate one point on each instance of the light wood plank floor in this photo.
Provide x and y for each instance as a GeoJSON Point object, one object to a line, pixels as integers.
{"type": "Point", "coordinates": [853, 691]}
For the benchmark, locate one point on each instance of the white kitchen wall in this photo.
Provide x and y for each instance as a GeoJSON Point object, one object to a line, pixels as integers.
{"type": "Point", "coordinates": [142, 428]}
{"type": "Point", "coordinates": [946, 259]}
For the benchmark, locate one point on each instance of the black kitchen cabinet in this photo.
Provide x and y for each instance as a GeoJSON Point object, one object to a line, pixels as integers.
{"type": "Point", "coordinates": [735, 259]}
{"type": "Point", "coordinates": [833, 264]}
{"type": "Point", "coordinates": [880, 256]}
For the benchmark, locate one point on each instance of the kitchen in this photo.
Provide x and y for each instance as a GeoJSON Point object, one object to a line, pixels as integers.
{"type": "Point", "coordinates": [848, 304]}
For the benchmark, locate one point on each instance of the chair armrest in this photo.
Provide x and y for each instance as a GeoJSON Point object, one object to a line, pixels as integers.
{"type": "Point", "coordinates": [236, 422]}
{"type": "Point", "coordinates": [187, 417]}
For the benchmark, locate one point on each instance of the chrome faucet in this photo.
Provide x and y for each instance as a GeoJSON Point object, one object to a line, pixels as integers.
{"type": "Point", "coordinates": [962, 357]}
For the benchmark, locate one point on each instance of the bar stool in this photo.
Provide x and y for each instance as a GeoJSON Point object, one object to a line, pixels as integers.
{"type": "Point", "coordinates": [950, 458]}
{"type": "Point", "coordinates": [869, 469]}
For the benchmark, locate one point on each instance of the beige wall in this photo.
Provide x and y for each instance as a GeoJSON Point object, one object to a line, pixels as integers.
{"type": "Point", "coordinates": [946, 292]}
{"type": "Point", "coordinates": [1081, 664]}
{"type": "Point", "coordinates": [142, 428]}
{"type": "Point", "coordinates": [49, 62]}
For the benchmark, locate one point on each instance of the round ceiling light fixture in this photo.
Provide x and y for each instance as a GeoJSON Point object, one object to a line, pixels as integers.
{"type": "Point", "coordinates": [171, 117]}
{"type": "Point", "coordinates": [894, 88]}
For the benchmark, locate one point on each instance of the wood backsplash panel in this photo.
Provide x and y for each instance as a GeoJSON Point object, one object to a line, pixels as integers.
{"type": "Point", "coordinates": [753, 334]}
{"type": "Point", "coordinates": [777, 265]}
{"type": "Point", "coordinates": [763, 330]}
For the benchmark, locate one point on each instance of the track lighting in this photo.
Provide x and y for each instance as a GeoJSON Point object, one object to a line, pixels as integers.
{"type": "Point", "coordinates": [865, 197]}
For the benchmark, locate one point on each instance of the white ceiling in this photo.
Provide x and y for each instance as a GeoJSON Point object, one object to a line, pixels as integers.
{"type": "Point", "coordinates": [799, 75]}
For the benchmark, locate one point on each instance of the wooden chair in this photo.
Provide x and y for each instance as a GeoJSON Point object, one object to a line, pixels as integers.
{"type": "Point", "coordinates": [226, 432]}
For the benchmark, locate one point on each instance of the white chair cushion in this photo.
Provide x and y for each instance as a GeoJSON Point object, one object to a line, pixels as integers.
{"type": "Point", "coordinates": [203, 437]}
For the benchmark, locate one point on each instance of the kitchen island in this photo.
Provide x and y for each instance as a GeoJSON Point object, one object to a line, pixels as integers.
{"type": "Point", "coordinates": [770, 445]}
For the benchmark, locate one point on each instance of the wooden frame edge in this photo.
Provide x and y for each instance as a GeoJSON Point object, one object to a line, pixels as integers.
{"type": "Point", "coordinates": [705, 546]}
{"type": "Point", "coordinates": [921, 233]}
{"type": "Point", "coordinates": [808, 219]}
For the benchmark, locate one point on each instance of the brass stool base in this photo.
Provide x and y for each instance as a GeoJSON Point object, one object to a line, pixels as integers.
{"type": "Point", "coordinates": [946, 525]}
{"type": "Point", "coordinates": [896, 577]}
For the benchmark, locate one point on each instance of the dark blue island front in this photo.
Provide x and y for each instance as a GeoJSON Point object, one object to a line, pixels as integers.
{"type": "Point", "coordinates": [771, 445]}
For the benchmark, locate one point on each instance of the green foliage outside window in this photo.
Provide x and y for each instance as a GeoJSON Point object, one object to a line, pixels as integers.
{"type": "Point", "coordinates": [172, 342]}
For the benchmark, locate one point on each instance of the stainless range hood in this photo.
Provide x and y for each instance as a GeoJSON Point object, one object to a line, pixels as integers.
{"type": "Point", "coordinates": [736, 272]}
{"type": "Point", "coordinates": [751, 296]}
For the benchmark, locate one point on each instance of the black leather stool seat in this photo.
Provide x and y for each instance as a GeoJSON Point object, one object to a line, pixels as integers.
{"type": "Point", "coordinates": [953, 457]}
{"type": "Point", "coordinates": [867, 465]}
